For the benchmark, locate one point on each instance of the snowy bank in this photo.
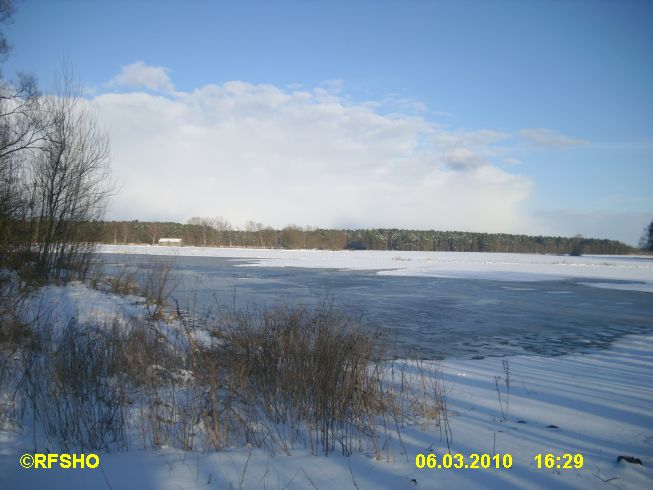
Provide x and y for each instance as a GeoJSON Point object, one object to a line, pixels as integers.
{"type": "Point", "coordinates": [598, 405]}
{"type": "Point", "coordinates": [61, 304]}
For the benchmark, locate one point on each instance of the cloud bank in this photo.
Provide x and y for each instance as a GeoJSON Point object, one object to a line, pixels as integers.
{"type": "Point", "coordinates": [304, 156]}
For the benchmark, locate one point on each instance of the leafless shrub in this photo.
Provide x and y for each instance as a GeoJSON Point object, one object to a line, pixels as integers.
{"type": "Point", "coordinates": [309, 376]}
{"type": "Point", "coordinates": [70, 186]}
{"type": "Point", "coordinates": [278, 379]}
{"type": "Point", "coordinates": [159, 280]}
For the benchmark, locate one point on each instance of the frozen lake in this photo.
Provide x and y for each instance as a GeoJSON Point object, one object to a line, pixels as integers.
{"type": "Point", "coordinates": [426, 317]}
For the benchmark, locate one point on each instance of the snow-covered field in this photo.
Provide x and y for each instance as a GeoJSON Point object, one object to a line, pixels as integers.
{"type": "Point", "coordinates": [636, 271]}
{"type": "Point", "coordinates": [599, 405]}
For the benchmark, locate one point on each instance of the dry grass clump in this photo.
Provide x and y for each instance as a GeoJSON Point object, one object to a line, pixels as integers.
{"type": "Point", "coordinates": [124, 281]}
{"type": "Point", "coordinates": [427, 395]}
{"type": "Point", "coordinates": [313, 375]}
{"type": "Point", "coordinates": [76, 388]}
{"type": "Point", "coordinates": [145, 354]}
{"type": "Point", "coordinates": [421, 395]}
{"type": "Point", "coordinates": [165, 397]}
{"type": "Point", "coordinates": [94, 385]}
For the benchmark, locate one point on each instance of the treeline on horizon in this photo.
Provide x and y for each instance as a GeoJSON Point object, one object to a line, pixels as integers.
{"type": "Point", "coordinates": [218, 233]}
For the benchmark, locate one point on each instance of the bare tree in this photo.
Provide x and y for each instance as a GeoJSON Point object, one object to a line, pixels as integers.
{"type": "Point", "coordinates": [22, 131]}
{"type": "Point", "coordinates": [292, 236]}
{"type": "Point", "coordinates": [21, 124]}
{"type": "Point", "coordinates": [254, 233]}
{"type": "Point", "coordinates": [199, 222]}
{"type": "Point", "coordinates": [269, 237]}
{"type": "Point", "coordinates": [54, 166]}
{"type": "Point", "coordinates": [223, 227]}
{"type": "Point", "coordinates": [153, 230]}
{"type": "Point", "coordinates": [70, 180]}
{"type": "Point", "coordinates": [210, 228]}
{"type": "Point", "coordinates": [250, 230]}
{"type": "Point", "coordinates": [125, 232]}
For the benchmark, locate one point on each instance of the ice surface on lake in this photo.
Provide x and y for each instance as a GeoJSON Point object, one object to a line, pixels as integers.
{"type": "Point", "coordinates": [429, 316]}
{"type": "Point", "coordinates": [635, 270]}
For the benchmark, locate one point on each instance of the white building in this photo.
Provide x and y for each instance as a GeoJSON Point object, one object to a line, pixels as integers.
{"type": "Point", "coordinates": [171, 242]}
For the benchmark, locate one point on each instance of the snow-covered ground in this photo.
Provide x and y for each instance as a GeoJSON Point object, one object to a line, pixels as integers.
{"type": "Point", "coordinates": [61, 304]}
{"type": "Point", "coordinates": [637, 271]}
{"type": "Point", "coordinates": [599, 405]}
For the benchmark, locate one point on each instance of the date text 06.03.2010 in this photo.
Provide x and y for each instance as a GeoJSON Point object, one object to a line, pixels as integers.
{"type": "Point", "coordinates": [496, 461]}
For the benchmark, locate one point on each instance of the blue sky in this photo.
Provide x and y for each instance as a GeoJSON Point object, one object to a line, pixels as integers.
{"type": "Point", "coordinates": [520, 116]}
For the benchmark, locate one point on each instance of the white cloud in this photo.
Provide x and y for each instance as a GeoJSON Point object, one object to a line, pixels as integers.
{"type": "Point", "coordinates": [549, 138]}
{"type": "Point", "coordinates": [306, 156]}
{"type": "Point", "coordinates": [140, 75]}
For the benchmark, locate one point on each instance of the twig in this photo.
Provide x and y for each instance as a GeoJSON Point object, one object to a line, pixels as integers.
{"type": "Point", "coordinates": [309, 479]}
{"type": "Point", "coordinates": [105, 478]}
{"type": "Point", "coordinates": [293, 478]}
{"type": "Point", "coordinates": [242, 478]}
{"type": "Point", "coordinates": [496, 383]}
{"type": "Point", "coordinates": [352, 473]}
{"type": "Point", "coordinates": [506, 370]}
{"type": "Point", "coordinates": [604, 480]}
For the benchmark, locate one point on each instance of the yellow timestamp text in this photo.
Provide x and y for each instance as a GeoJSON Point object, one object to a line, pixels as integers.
{"type": "Point", "coordinates": [562, 461]}
{"type": "Point", "coordinates": [457, 461]}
